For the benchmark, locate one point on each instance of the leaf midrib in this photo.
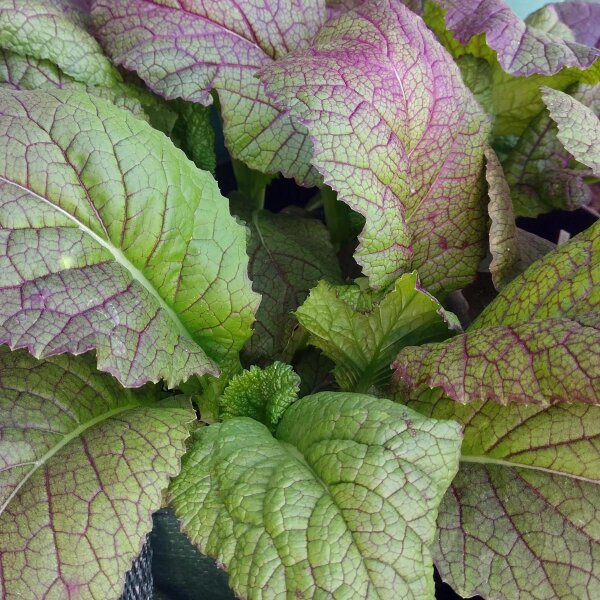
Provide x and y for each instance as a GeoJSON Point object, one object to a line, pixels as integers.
{"type": "Point", "coordinates": [118, 255]}
{"type": "Point", "coordinates": [67, 439]}
{"type": "Point", "coordinates": [486, 460]}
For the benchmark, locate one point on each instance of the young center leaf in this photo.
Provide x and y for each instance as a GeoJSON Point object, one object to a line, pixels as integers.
{"type": "Point", "coordinates": [578, 127]}
{"type": "Point", "coordinates": [341, 503]}
{"type": "Point", "coordinates": [362, 331]}
{"type": "Point", "coordinates": [538, 342]}
{"type": "Point", "coordinates": [398, 136]}
{"type": "Point", "coordinates": [83, 465]}
{"type": "Point", "coordinates": [185, 50]}
{"type": "Point", "coordinates": [261, 394]}
{"type": "Point", "coordinates": [111, 239]}
{"type": "Point", "coordinates": [521, 48]}
{"type": "Point", "coordinates": [521, 519]}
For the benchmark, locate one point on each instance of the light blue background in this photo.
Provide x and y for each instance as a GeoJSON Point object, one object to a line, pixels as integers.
{"type": "Point", "coordinates": [524, 7]}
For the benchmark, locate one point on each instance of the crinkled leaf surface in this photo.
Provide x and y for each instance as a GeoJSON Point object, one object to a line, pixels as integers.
{"type": "Point", "coordinates": [538, 342]}
{"type": "Point", "coordinates": [522, 49]}
{"type": "Point", "coordinates": [55, 30]}
{"type": "Point", "coordinates": [83, 464]}
{"type": "Point", "coordinates": [26, 73]}
{"type": "Point", "coordinates": [512, 100]}
{"type": "Point", "coordinates": [197, 134]}
{"type": "Point", "coordinates": [185, 49]}
{"type": "Point", "coordinates": [262, 394]}
{"type": "Point", "coordinates": [342, 504]}
{"type": "Point", "coordinates": [111, 239]}
{"type": "Point", "coordinates": [504, 243]}
{"type": "Point", "coordinates": [398, 136]}
{"type": "Point", "coordinates": [575, 20]}
{"type": "Point", "coordinates": [520, 519]}
{"type": "Point", "coordinates": [541, 173]}
{"type": "Point", "coordinates": [512, 249]}
{"type": "Point", "coordinates": [578, 127]}
{"type": "Point", "coordinates": [362, 331]}
{"type": "Point", "coordinates": [288, 256]}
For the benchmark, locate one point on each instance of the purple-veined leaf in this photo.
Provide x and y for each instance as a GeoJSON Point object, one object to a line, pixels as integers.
{"type": "Point", "coordinates": [513, 100]}
{"type": "Point", "coordinates": [111, 239]}
{"type": "Point", "coordinates": [83, 464]}
{"type": "Point", "coordinates": [340, 503]}
{"type": "Point", "coordinates": [398, 136]}
{"type": "Point", "coordinates": [512, 249]}
{"type": "Point", "coordinates": [504, 243]}
{"type": "Point", "coordinates": [186, 49]}
{"type": "Point", "coordinates": [47, 44]}
{"type": "Point", "coordinates": [575, 20]}
{"type": "Point", "coordinates": [578, 127]}
{"type": "Point", "coordinates": [288, 256]}
{"type": "Point", "coordinates": [55, 30]}
{"type": "Point", "coordinates": [522, 49]}
{"type": "Point", "coordinates": [520, 519]}
{"type": "Point", "coordinates": [538, 342]}
{"type": "Point", "coordinates": [26, 73]}
{"type": "Point", "coordinates": [337, 7]}
{"type": "Point", "coordinates": [542, 174]}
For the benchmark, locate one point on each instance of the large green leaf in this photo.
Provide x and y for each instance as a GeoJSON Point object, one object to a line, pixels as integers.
{"type": "Point", "coordinates": [398, 136]}
{"type": "Point", "coordinates": [537, 342]}
{"type": "Point", "coordinates": [288, 256]}
{"type": "Point", "coordinates": [183, 49]}
{"type": "Point", "coordinates": [111, 239]}
{"type": "Point", "coordinates": [341, 504]}
{"type": "Point", "coordinates": [55, 30]}
{"type": "Point", "coordinates": [578, 127]}
{"type": "Point", "coordinates": [83, 464]}
{"type": "Point", "coordinates": [520, 519]}
{"type": "Point", "coordinates": [362, 331]}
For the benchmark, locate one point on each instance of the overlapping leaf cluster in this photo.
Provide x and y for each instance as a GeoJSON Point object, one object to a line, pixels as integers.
{"type": "Point", "coordinates": [133, 291]}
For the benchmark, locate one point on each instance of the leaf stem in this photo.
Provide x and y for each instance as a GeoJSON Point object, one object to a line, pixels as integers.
{"type": "Point", "coordinates": [252, 184]}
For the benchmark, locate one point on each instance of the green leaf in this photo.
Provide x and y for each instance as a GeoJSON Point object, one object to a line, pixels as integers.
{"type": "Point", "coordinates": [542, 175]}
{"type": "Point", "coordinates": [520, 519]}
{"type": "Point", "coordinates": [55, 30]}
{"type": "Point", "coordinates": [224, 48]}
{"type": "Point", "coordinates": [288, 256]}
{"type": "Point", "coordinates": [538, 342]}
{"type": "Point", "coordinates": [83, 465]}
{"type": "Point", "coordinates": [513, 100]}
{"type": "Point", "coordinates": [27, 73]}
{"type": "Point", "coordinates": [341, 505]}
{"type": "Point", "coordinates": [197, 134]}
{"type": "Point", "coordinates": [395, 153]}
{"type": "Point", "coordinates": [578, 127]}
{"type": "Point", "coordinates": [362, 331]}
{"type": "Point", "coordinates": [262, 394]}
{"type": "Point", "coordinates": [512, 249]}
{"type": "Point", "coordinates": [111, 239]}
{"type": "Point", "coordinates": [504, 243]}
